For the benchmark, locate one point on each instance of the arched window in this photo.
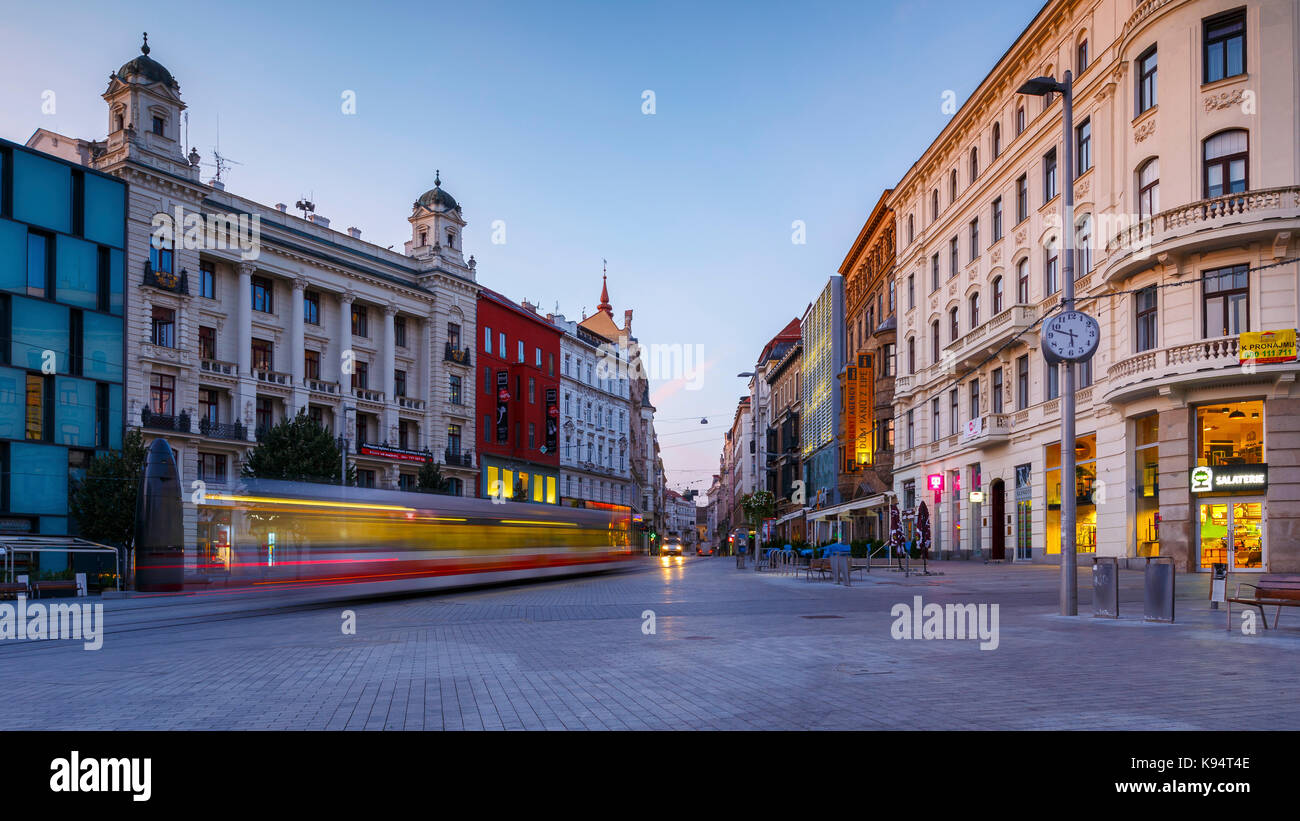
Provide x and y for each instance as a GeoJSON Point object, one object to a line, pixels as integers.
{"type": "Point", "coordinates": [974, 163]}
{"type": "Point", "coordinates": [997, 140]}
{"type": "Point", "coordinates": [997, 295]}
{"type": "Point", "coordinates": [1022, 282]}
{"type": "Point", "coordinates": [934, 342]}
{"type": "Point", "coordinates": [1149, 189]}
{"type": "Point", "coordinates": [911, 229]}
{"type": "Point", "coordinates": [1226, 156]}
{"type": "Point", "coordinates": [952, 186]}
{"type": "Point", "coordinates": [1083, 242]}
{"type": "Point", "coordinates": [954, 327]}
{"type": "Point", "coordinates": [974, 310]}
{"type": "Point", "coordinates": [911, 354]}
{"type": "Point", "coordinates": [934, 205]}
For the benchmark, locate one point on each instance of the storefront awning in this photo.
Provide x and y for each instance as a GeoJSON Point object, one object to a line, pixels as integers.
{"type": "Point", "coordinates": [857, 504]}
{"type": "Point", "coordinates": [795, 515]}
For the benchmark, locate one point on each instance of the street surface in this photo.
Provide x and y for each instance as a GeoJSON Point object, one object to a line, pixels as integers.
{"type": "Point", "coordinates": [731, 650]}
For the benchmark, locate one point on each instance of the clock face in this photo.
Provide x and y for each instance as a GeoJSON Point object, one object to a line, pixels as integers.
{"type": "Point", "coordinates": [1071, 336]}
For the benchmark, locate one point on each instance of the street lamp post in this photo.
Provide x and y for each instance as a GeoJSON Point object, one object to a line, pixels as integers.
{"type": "Point", "coordinates": [1069, 594]}
{"type": "Point", "coordinates": [753, 427]}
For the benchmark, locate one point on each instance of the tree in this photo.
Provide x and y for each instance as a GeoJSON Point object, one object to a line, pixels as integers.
{"type": "Point", "coordinates": [297, 450]}
{"type": "Point", "coordinates": [102, 504]}
{"type": "Point", "coordinates": [758, 506]}
{"type": "Point", "coordinates": [430, 478]}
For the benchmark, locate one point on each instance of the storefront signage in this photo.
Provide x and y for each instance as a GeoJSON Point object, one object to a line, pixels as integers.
{"type": "Point", "coordinates": [503, 397]}
{"type": "Point", "coordinates": [394, 453]}
{"type": "Point", "coordinates": [552, 420]}
{"type": "Point", "coordinates": [974, 427]}
{"type": "Point", "coordinates": [1223, 478]}
{"type": "Point", "coordinates": [934, 482]}
{"type": "Point", "coordinates": [1265, 347]}
{"type": "Point", "coordinates": [976, 496]}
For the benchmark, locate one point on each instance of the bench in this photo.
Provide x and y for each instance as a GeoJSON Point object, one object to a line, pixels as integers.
{"type": "Point", "coordinates": [1282, 590]}
{"type": "Point", "coordinates": [43, 586]}
{"type": "Point", "coordinates": [12, 589]}
{"type": "Point", "coordinates": [821, 566]}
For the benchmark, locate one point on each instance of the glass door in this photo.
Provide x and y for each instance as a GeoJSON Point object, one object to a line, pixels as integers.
{"type": "Point", "coordinates": [1232, 533]}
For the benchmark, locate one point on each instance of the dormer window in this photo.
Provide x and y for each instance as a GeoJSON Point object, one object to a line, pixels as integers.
{"type": "Point", "coordinates": [451, 239]}
{"type": "Point", "coordinates": [158, 126]}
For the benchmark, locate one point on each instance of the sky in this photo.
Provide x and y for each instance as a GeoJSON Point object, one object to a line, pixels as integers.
{"type": "Point", "coordinates": [536, 114]}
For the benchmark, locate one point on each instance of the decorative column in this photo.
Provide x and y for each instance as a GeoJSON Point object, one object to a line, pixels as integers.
{"type": "Point", "coordinates": [246, 398]}
{"type": "Point", "coordinates": [342, 353]}
{"type": "Point", "coordinates": [388, 361]}
{"type": "Point", "coordinates": [296, 346]}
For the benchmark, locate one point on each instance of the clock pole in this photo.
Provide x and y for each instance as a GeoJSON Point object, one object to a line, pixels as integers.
{"type": "Point", "coordinates": [1069, 486]}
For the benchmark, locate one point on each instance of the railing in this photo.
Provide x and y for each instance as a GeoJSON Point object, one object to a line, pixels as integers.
{"type": "Point", "coordinates": [162, 421]}
{"type": "Point", "coordinates": [166, 281]}
{"type": "Point", "coordinates": [215, 366]}
{"type": "Point", "coordinates": [317, 386]}
{"type": "Point", "coordinates": [273, 377]}
{"type": "Point", "coordinates": [223, 430]}
{"type": "Point", "coordinates": [458, 355]}
{"type": "Point", "coordinates": [368, 395]}
{"type": "Point", "coordinates": [1145, 232]}
{"type": "Point", "coordinates": [1014, 318]}
{"type": "Point", "coordinates": [1221, 352]}
{"type": "Point", "coordinates": [410, 404]}
{"type": "Point", "coordinates": [463, 458]}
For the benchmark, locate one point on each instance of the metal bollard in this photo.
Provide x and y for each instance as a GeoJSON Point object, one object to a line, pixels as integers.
{"type": "Point", "coordinates": [1105, 587]}
{"type": "Point", "coordinates": [1158, 601]}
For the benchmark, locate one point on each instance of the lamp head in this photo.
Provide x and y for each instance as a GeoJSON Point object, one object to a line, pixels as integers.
{"type": "Point", "coordinates": [1040, 86]}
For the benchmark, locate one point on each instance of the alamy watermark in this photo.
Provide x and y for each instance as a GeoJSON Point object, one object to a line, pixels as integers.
{"type": "Point", "coordinates": [61, 620]}
{"type": "Point", "coordinates": [951, 621]}
{"type": "Point", "coordinates": [208, 232]}
{"type": "Point", "coordinates": [658, 361]}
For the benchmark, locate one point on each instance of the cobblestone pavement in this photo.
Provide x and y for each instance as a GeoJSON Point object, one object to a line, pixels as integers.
{"type": "Point", "coordinates": [731, 650]}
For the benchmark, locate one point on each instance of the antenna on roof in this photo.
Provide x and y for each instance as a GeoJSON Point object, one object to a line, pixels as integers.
{"type": "Point", "coordinates": [306, 206]}
{"type": "Point", "coordinates": [222, 163]}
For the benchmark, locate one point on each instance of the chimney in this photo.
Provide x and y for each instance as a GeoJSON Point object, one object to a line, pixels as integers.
{"type": "Point", "coordinates": [528, 306]}
{"type": "Point", "coordinates": [217, 184]}
{"type": "Point", "coordinates": [355, 233]}
{"type": "Point", "coordinates": [627, 322]}
{"type": "Point", "coordinates": [282, 208]}
{"type": "Point", "coordinates": [317, 219]}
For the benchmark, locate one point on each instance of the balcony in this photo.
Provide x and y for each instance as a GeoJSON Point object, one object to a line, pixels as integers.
{"type": "Point", "coordinates": [1152, 370]}
{"type": "Point", "coordinates": [366, 395]}
{"type": "Point", "coordinates": [407, 403]}
{"type": "Point", "coordinates": [902, 386]}
{"type": "Point", "coordinates": [284, 380]}
{"type": "Point", "coordinates": [236, 431]}
{"type": "Point", "coordinates": [463, 459]}
{"type": "Point", "coordinates": [162, 421]}
{"type": "Point", "coordinates": [1235, 219]}
{"type": "Point", "coordinates": [978, 344]}
{"type": "Point", "coordinates": [166, 280]}
{"type": "Point", "coordinates": [318, 386]}
{"type": "Point", "coordinates": [460, 356]}
{"type": "Point", "coordinates": [219, 368]}
{"type": "Point", "coordinates": [987, 429]}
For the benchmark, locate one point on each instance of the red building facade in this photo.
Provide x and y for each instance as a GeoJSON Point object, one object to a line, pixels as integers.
{"type": "Point", "coordinates": [517, 401]}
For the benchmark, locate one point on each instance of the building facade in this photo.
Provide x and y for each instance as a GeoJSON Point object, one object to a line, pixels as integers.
{"type": "Point", "coordinates": [1187, 205]}
{"type": "Point", "coordinates": [822, 337]}
{"type": "Point", "coordinates": [62, 303]}
{"type": "Point", "coordinates": [785, 394]}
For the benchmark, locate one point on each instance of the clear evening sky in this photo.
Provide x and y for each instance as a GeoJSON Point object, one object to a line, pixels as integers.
{"type": "Point", "coordinates": [765, 113]}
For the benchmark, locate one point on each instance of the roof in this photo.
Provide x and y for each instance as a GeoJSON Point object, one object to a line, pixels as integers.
{"type": "Point", "coordinates": [789, 333]}
{"type": "Point", "coordinates": [435, 199]}
{"type": "Point", "coordinates": [147, 68]}
{"type": "Point", "coordinates": [603, 325]}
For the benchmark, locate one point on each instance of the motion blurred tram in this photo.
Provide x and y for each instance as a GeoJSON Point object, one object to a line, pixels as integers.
{"type": "Point", "coordinates": [264, 535]}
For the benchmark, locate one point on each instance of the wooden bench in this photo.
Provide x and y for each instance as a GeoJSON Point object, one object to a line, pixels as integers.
{"type": "Point", "coordinates": [12, 589]}
{"type": "Point", "coordinates": [820, 566]}
{"type": "Point", "coordinates": [43, 586]}
{"type": "Point", "coordinates": [1281, 590]}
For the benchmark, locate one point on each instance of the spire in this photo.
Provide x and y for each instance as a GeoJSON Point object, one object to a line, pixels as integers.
{"type": "Point", "coordinates": [437, 178]}
{"type": "Point", "coordinates": [144, 49]}
{"type": "Point", "coordinates": [604, 291]}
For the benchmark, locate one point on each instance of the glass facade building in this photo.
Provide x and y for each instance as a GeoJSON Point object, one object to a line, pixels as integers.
{"type": "Point", "coordinates": [62, 246]}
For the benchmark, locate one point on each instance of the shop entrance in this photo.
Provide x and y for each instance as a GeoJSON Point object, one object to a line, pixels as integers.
{"type": "Point", "coordinates": [1232, 533]}
{"type": "Point", "coordinates": [998, 550]}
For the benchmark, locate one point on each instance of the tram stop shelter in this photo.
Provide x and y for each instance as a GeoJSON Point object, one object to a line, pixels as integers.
{"type": "Point", "coordinates": [10, 546]}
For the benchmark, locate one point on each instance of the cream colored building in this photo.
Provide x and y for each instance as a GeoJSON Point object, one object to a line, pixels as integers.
{"type": "Point", "coordinates": [1187, 206]}
{"type": "Point", "coordinates": [223, 340]}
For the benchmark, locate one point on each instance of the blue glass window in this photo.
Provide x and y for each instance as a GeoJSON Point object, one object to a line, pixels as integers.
{"type": "Point", "coordinates": [115, 288]}
{"type": "Point", "coordinates": [42, 192]}
{"type": "Point", "coordinates": [76, 277]}
{"type": "Point", "coordinates": [74, 412]}
{"type": "Point", "coordinates": [105, 210]}
{"type": "Point", "coordinates": [40, 326]}
{"type": "Point", "coordinates": [40, 479]}
{"type": "Point", "coordinates": [115, 419]}
{"type": "Point", "coordinates": [38, 264]}
{"type": "Point", "coordinates": [101, 347]}
{"type": "Point", "coordinates": [13, 385]}
{"type": "Point", "coordinates": [13, 256]}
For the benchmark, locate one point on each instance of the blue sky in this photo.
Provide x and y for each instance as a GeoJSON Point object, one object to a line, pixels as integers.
{"type": "Point", "coordinates": [765, 113]}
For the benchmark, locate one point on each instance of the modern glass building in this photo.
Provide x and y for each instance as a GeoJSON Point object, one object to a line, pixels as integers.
{"type": "Point", "coordinates": [62, 237]}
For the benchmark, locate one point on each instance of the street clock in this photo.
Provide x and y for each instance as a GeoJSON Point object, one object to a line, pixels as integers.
{"type": "Point", "coordinates": [1070, 336]}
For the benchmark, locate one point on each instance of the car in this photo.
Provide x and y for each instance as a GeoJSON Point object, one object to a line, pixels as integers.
{"type": "Point", "coordinates": [671, 547]}
{"type": "Point", "coordinates": [704, 550]}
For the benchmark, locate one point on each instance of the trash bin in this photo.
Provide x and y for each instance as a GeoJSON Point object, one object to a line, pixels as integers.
{"type": "Point", "coordinates": [1158, 601]}
{"type": "Point", "coordinates": [1105, 587]}
{"type": "Point", "coordinates": [1218, 585]}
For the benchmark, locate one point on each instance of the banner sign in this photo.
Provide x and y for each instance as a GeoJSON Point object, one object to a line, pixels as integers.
{"type": "Point", "coordinates": [1222, 478]}
{"type": "Point", "coordinates": [552, 420]}
{"type": "Point", "coordinates": [393, 453]}
{"type": "Point", "coordinates": [864, 446]}
{"type": "Point", "coordinates": [503, 397]}
{"type": "Point", "coordinates": [1266, 347]}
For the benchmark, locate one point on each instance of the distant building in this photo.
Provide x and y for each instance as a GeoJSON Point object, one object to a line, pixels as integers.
{"type": "Point", "coordinates": [822, 336]}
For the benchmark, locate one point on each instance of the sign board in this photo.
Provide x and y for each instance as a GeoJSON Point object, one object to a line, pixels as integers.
{"type": "Point", "coordinates": [1266, 347]}
{"type": "Point", "coordinates": [864, 446]}
{"type": "Point", "coordinates": [977, 496]}
{"type": "Point", "coordinates": [552, 420]}
{"type": "Point", "coordinates": [974, 427]}
{"type": "Point", "coordinates": [934, 482]}
{"type": "Point", "coordinates": [1223, 478]}
{"type": "Point", "coordinates": [399, 454]}
{"type": "Point", "coordinates": [503, 397]}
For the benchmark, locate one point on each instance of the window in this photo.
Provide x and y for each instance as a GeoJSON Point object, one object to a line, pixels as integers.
{"type": "Point", "coordinates": [911, 228]}
{"type": "Point", "coordinates": [952, 186]}
{"type": "Point", "coordinates": [1081, 56]}
{"type": "Point", "coordinates": [1051, 276]}
{"type": "Point", "coordinates": [911, 354]}
{"type": "Point", "coordinates": [360, 321]}
{"type": "Point", "coordinates": [550, 364]}
{"type": "Point", "coordinates": [537, 357]}
{"type": "Point", "coordinates": [261, 355]}
{"type": "Point", "coordinates": [1049, 175]}
{"type": "Point", "coordinates": [1083, 374]}
{"type": "Point", "coordinates": [952, 258]}
{"type": "Point", "coordinates": [954, 328]}
{"type": "Point", "coordinates": [911, 429]}
{"type": "Point", "coordinates": [1146, 80]}
{"type": "Point", "coordinates": [1083, 143]}
{"type": "Point", "coordinates": [1225, 163]}
{"type": "Point", "coordinates": [262, 295]}
{"type": "Point", "coordinates": [997, 140]}
{"type": "Point", "coordinates": [974, 310]}
{"type": "Point", "coordinates": [911, 291]}
{"type": "Point", "coordinates": [164, 327]}
{"type": "Point", "coordinates": [1226, 301]}
{"type": "Point", "coordinates": [974, 164]}
{"type": "Point", "coordinates": [1020, 120]}
{"type": "Point", "coordinates": [453, 439]}
{"type": "Point", "coordinates": [159, 126]}
{"type": "Point", "coordinates": [453, 335]}
{"type": "Point", "coordinates": [487, 381]}
{"type": "Point", "coordinates": [40, 260]}
{"type": "Point", "coordinates": [997, 390]}
{"type": "Point", "coordinates": [1149, 189]}
{"type": "Point", "coordinates": [399, 382]}
{"type": "Point", "coordinates": [997, 296]}
{"type": "Point", "coordinates": [212, 467]}
{"type": "Point", "coordinates": [162, 394]}
{"type": "Point", "coordinates": [1225, 46]}
{"type": "Point", "coordinates": [207, 280]}
{"type": "Point", "coordinates": [405, 481]}
{"type": "Point", "coordinates": [891, 296]}
{"type": "Point", "coordinates": [1022, 198]}
{"type": "Point", "coordinates": [974, 399]}
{"type": "Point", "coordinates": [935, 426]}
{"type": "Point", "coordinates": [887, 360]}
{"type": "Point", "coordinates": [532, 391]}
{"type": "Point", "coordinates": [1147, 316]}
{"type": "Point", "coordinates": [487, 340]}
{"type": "Point", "coordinates": [311, 307]}
{"type": "Point", "coordinates": [361, 376]}
{"type": "Point", "coordinates": [207, 343]}
{"type": "Point", "coordinates": [209, 410]}
{"type": "Point", "coordinates": [1053, 381]}
{"type": "Point", "coordinates": [934, 342]}
{"type": "Point", "coordinates": [934, 205]}
{"type": "Point", "coordinates": [953, 415]}
{"type": "Point", "coordinates": [520, 354]}
{"type": "Point", "coordinates": [501, 345]}
{"type": "Point", "coordinates": [311, 364]}
{"type": "Point", "coordinates": [997, 219]}
{"type": "Point", "coordinates": [453, 390]}
{"type": "Point", "coordinates": [37, 406]}
{"type": "Point", "coordinates": [974, 238]}
{"type": "Point", "coordinates": [1022, 382]}
{"type": "Point", "coordinates": [934, 273]}
{"type": "Point", "coordinates": [365, 478]}
{"type": "Point", "coordinates": [406, 436]}
{"type": "Point", "coordinates": [1083, 244]}
{"type": "Point", "coordinates": [487, 428]}
{"type": "Point", "coordinates": [532, 434]}
{"type": "Point", "coordinates": [399, 331]}
{"type": "Point", "coordinates": [1022, 282]}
